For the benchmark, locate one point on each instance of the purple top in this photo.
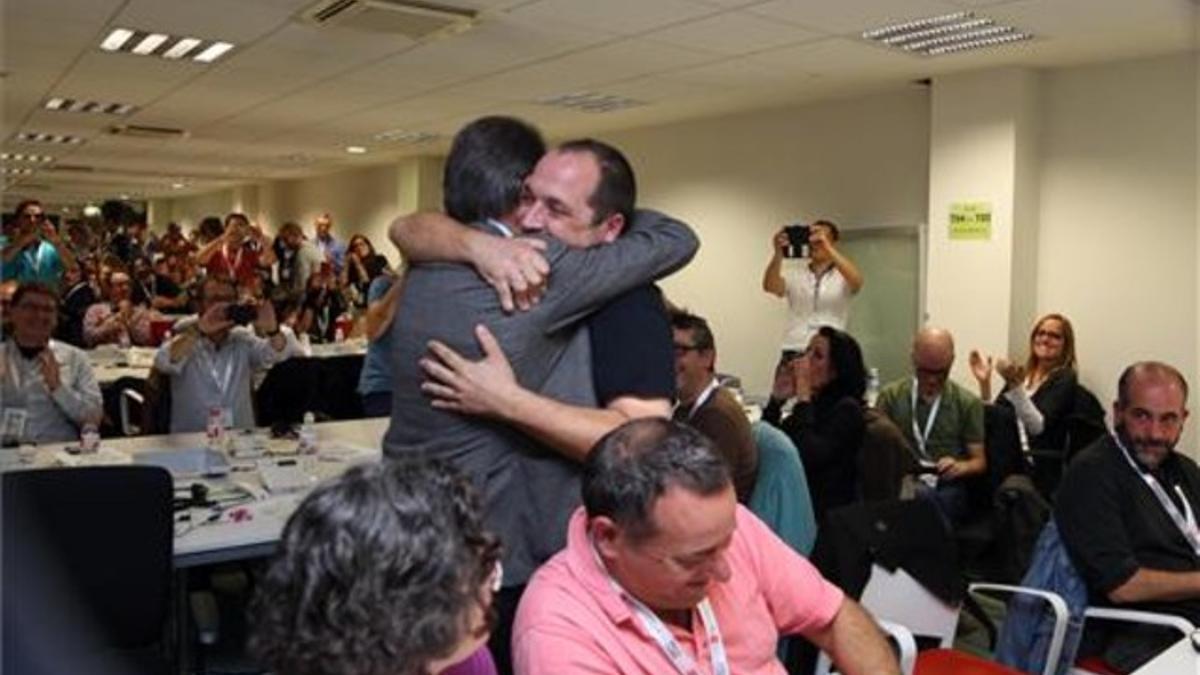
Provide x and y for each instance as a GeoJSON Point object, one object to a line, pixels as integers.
{"type": "Point", "coordinates": [479, 663]}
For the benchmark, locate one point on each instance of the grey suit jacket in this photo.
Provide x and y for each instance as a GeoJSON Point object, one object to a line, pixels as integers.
{"type": "Point", "coordinates": [528, 491]}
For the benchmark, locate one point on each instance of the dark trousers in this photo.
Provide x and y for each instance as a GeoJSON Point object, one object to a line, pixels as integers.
{"type": "Point", "coordinates": [500, 644]}
{"type": "Point", "coordinates": [377, 404]}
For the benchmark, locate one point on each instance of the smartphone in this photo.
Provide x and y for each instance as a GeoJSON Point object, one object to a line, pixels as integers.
{"type": "Point", "coordinates": [797, 241]}
{"type": "Point", "coordinates": [241, 314]}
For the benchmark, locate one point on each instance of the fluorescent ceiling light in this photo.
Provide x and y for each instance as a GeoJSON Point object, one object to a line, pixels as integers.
{"type": "Point", "coordinates": [115, 39]}
{"type": "Point", "coordinates": [81, 106]}
{"type": "Point", "coordinates": [39, 137]}
{"type": "Point", "coordinates": [177, 186]}
{"type": "Point", "coordinates": [213, 52]}
{"type": "Point", "coordinates": [21, 157]}
{"type": "Point", "coordinates": [945, 34]}
{"type": "Point", "coordinates": [164, 45]}
{"type": "Point", "coordinates": [181, 48]}
{"type": "Point", "coordinates": [356, 149]}
{"type": "Point", "coordinates": [150, 43]}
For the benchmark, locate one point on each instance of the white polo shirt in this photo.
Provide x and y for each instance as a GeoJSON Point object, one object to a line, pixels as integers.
{"type": "Point", "coordinates": [814, 300]}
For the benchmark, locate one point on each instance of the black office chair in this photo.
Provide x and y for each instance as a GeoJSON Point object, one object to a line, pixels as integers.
{"type": "Point", "coordinates": [86, 570]}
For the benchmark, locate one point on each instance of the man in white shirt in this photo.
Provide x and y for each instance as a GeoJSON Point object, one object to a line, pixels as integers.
{"type": "Point", "coordinates": [211, 362]}
{"type": "Point", "coordinates": [818, 293]}
{"type": "Point", "coordinates": [47, 388]}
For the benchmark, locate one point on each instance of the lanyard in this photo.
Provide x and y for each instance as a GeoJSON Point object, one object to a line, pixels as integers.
{"type": "Point", "coordinates": [222, 382]}
{"type": "Point", "coordinates": [923, 438]}
{"type": "Point", "coordinates": [662, 635]}
{"type": "Point", "coordinates": [1186, 521]}
{"type": "Point", "coordinates": [34, 259]}
{"type": "Point", "coordinates": [703, 397]}
{"type": "Point", "coordinates": [234, 263]}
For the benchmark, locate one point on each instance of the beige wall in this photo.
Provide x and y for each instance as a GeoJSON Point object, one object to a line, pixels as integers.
{"type": "Point", "coordinates": [736, 180]}
{"type": "Point", "coordinates": [1118, 213]}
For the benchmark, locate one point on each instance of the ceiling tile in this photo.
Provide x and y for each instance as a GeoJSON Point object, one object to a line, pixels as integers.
{"type": "Point", "coordinates": [851, 16]}
{"type": "Point", "coordinates": [733, 34]}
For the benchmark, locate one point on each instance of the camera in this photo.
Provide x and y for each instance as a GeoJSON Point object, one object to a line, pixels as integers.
{"type": "Point", "coordinates": [241, 314]}
{"type": "Point", "coordinates": [797, 236]}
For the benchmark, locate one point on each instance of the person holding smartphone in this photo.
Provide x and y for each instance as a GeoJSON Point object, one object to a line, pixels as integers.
{"type": "Point", "coordinates": [818, 286]}
{"type": "Point", "coordinates": [33, 250]}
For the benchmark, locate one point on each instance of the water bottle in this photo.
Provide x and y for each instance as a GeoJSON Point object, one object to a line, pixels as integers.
{"type": "Point", "coordinates": [215, 428]}
{"type": "Point", "coordinates": [872, 386]}
{"type": "Point", "coordinates": [123, 339]}
{"type": "Point", "coordinates": [339, 335]}
{"type": "Point", "coordinates": [89, 438]}
{"type": "Point", "coordinates": [308, 435]}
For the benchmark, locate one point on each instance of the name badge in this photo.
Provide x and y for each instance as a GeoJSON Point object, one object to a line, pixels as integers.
{"type": "Point", "coordinates": [12, 425]}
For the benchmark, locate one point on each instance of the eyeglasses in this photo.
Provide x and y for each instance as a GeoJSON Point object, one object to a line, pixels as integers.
{"type": "Point", "coordinates": [680, 350]}
{"type": "Point", "coordinates": [34, 216]}
{"type": "Point", "coordinates": [1047, 334]}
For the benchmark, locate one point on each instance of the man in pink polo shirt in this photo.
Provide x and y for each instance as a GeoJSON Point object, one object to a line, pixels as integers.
{"type": "Point", "coordinates": [665, 573]}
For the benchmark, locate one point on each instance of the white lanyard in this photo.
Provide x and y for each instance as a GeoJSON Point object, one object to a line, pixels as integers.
{"type": "Point", "coordinates": [816, 298]}
{"type": "Point", "coordinates": [233, 263]}
{"type": "Point", "coordinates": [221, 382]}
{"type": "Point", "coordinates": [662, 635]}
{"type": "Point", "coordinates": [1186, 521]}
{"type": "Point", "coordinates": [35, 259]}
{"type": "Point", "coordinates": [703, 397]}
{"type": "Point", "coordinates": [923, 438]}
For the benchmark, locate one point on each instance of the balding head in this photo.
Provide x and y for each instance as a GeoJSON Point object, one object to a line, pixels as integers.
{"type": "Point", "coordinates": [932, 357]}
{"type": "Point", "coordinates": [1147, 373]}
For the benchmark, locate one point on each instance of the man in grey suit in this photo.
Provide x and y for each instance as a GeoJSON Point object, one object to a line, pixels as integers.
{"type": "Point", "coordinates": [528, 489]}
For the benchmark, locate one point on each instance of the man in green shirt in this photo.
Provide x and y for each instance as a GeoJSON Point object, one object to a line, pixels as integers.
{"type": "Point", "coordinates": [941, 421]}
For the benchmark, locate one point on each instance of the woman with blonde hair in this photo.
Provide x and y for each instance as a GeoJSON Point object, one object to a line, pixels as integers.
{"type": "Point", "coordinates": [1042, 391]}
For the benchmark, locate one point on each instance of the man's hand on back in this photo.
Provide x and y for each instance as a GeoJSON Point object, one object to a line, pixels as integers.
{"type": "Point", "coordinates": [481, 387]}
{"type": "Point", "coordinates": [516, 268]}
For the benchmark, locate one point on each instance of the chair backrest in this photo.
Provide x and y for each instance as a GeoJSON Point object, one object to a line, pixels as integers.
{"type": "Point", "coordinates": [85, 560]}
{"type": "Point", "coordinates": [780, 496]}
{"type": "Point", "coordinates": [156, 411]}
{"type": "Point", "coordinates": [885, 458]}
{"type": "Point", "coordinates": [897, 597]}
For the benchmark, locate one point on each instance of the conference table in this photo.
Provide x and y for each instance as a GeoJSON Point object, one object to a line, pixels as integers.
{"type": "Point", "coordinates": [111, 363]}
{"type": "Point", "coordinates": [250, 527]}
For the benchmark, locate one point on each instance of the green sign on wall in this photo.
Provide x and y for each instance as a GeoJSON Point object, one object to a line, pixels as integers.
{"type": "Point", "coordinates": [971, 220]}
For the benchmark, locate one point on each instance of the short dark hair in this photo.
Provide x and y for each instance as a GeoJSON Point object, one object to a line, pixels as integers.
{"type": "Point", "coordinates": [845, 355]}
{"type": "Point", "coordinates": [33, 288]}
{"type": "Point", "coordinates": [617, 190]}
{"type": "Point", "coordinates": [1148, 367]}
{"type": "Point", "coordinates": [236, 215]}
{"type": "Point", "coordinates": [376, 574]}
{"type": "Point", "coordinates": [681, 319]}
{"type": "Point", "coordinates": [223, 280]}
{"type": "Point", "coordinates": [631, 466]}
{"type": "Point", "coordinates": [834, 234]}
{"type": "Point", "coordinates": [23, 205]}
{"type": "Point", "coordinates": [487, 166]}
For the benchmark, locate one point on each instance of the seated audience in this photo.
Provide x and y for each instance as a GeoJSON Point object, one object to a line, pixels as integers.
{"type": "Point", "coordinates": [118, 320]}
{"type": "Point", "coordinates": [33, 250]}
{"type": "Point", "coordinates": [173, 242]}
{"type": "Point", "coordinates": [826, 422]}
{"type": "Point", "coordinates": [708, 407]}
{"type": "Point", "coordinates": [386, 570]}
{"type": "Point", "coordinates": [323, 304]}
{"type": "Point", "coordinates": [49, 385]}
{"type": "Point", "coordinates": [363, 265]}
{"type": "Point", "coordinates": [1125, 512]}
{"type": "Point", "coordinates": [662, 548]}
{"type": "Point", "coordinates": [211, 362]}
{"type": "Point", "coordinates": [942, 422]}
{"type": "Point", "coordinates": [375, 379]}
{"type": "Point", "coordinates": [238, 253]}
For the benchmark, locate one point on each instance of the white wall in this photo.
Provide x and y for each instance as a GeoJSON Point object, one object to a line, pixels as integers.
{"type": "Point", "coordinates": [737, 179]}
{"type": "Point", "coordinates": [1118, 242]}
{"type": "Point", "coordinates": [190, 210]}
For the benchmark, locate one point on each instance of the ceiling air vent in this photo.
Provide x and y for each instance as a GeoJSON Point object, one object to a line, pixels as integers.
{"type": "Point", "coordinates": [141, 131]}
{"type": "Point", "coordinates": [411, 18]}
{"type": "Point", "coordinates": [70, 168]}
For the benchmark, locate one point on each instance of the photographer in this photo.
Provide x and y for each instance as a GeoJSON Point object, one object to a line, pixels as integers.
{"type": "Point", "coordinates": [323, 304]}
{"type": "Point", "coordinates": [212, 360]}
{"type": "Point", "coordinates": [33, 250]}
{"type": "Point", "coordinates": [818, 293]}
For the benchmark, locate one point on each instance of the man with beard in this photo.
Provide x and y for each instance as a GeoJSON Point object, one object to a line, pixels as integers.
{"type": "Point", "coordinates": [1126, 512]}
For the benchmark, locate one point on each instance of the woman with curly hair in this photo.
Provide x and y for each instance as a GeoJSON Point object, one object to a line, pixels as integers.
{"type": "Point", "coordinates": [386, 570]}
